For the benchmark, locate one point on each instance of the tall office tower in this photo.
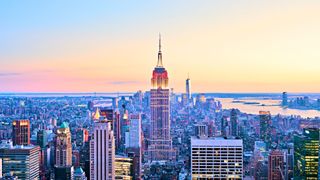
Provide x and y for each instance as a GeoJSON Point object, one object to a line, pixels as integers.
{"type": "Point", "coordinates": [42, 142]}
{"type": "Point", "coordinates": [63, 146]}
{"type": "Point", "coordinates": [188, 90]}
{"type": "Point", "coordinates": [234, 123]}
{"type": "Point", "coordinates": [216, 158]}
{"type": "Point", "coordinates": [42, 138]}
{"type": "Point", "coordinates": [284, 99]}
{"type": "Point", "coordinates": [276, 170]}
{"type": "Point", "coordinates": [21, 132]}
{"type": "Point", "coordinates": [85, 158]}
{"type": "Point", "coordinates": [225, 128]}
{"type": "Point", "coordinates": [21, 161]}
{"type": "Point", "coordinates": [134, 140]}
{"type": "Point", "coordinates": [124, 128]}
{"type": "Point", "coordinates": [116, 117]}
{"type": "Point", "coordinates": [184, 99]}
{"type": "Point", "coordinates": [306, 154]}
{"type": "Point", "coordinates": [63, 172]}
{"type": "Point", "coordinates": [265, 127]}
{"type": "Point", "coordinates": [160, 146]}
{"type": "Point", "coordinates": [102, 152]}
{"type": "Point", "coordinates": [134, 145]}
{"type": "Point", "coordinates": [123, 168]}
{"type": "Point", "coordinates": [289, 161]}
{"type": "Point", "coordinates": [201, 130]}
{"type": "Point", "coordinates": [117, 129]}
{"type": "Point", "coordinates": [82, 135]}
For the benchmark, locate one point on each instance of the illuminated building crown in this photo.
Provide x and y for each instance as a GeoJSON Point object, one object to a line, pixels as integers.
{"type": "Point", "coordinates": [160, 75]}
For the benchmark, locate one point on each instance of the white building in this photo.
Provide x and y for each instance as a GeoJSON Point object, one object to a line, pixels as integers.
{"type": "Point", "coordinates": [216, 158]}
{"type": "Point", "coordinates": [102, 152]}
{"type": "Point", "coordinates": [134, 135]}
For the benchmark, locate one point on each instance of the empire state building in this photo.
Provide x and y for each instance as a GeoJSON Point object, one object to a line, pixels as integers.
{"type": "Point", "coordinates": [160, 144]}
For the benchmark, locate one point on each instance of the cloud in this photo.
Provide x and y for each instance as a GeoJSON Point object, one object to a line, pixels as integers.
{"type": "Point", "coordinates": [123, 82]}
{"type": "Point", "coordinates": [10, 74]}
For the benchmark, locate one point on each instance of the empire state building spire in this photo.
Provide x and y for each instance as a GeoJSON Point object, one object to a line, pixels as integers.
{"type": "Point", "coordinates": [159, 75]}
{"type": "Point", "coordinates": [159, 64]}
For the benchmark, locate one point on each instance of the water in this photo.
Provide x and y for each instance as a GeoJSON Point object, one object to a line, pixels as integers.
{"type": "Point", "coordinates": [271, 101]}
{"type": "Point", "coordinates": [65, 94]}
{"type": "Point", "coordinates": [271, 105]}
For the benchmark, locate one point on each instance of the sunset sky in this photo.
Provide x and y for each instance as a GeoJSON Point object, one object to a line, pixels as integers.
{"type": "Point", "coordinates": [111, 46]}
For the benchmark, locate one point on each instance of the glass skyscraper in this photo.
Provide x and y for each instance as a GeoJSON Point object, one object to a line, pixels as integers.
{"type": "Point", "coordinates": [306, 154]}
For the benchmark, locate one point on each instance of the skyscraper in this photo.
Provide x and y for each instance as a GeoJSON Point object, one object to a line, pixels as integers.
{"type": "Point", "coordinates": [21, 161]}
{"type": "Point", "coordinates": [123, 168]}
{"type": "Point", "coordinates": [82, 136]}
{"type": "Point", "coordinates": [134, 139]}
{"type": "Point", "coordinates": [102, 152]}
{"type": "Point", "coordinates": [234, 123]}
{"type": "Point", "coordinates": [284, 99]}
{"type": "Point", "coordinates": [276, 165]}
{"type": "Point", "coordinates": [265, 127]}
{"type": "Point", "coordinates": [160, 146]}
{"type": "Point", "coordinates": [134, 145]}
{"type": "Point", "coordinates": [216, 158]}
{"type": "Point", "coordinates": [63, 146]}
{"type": "Point", "coordinates": [306, 154]}
{"type": "Point", "coordinates": [201, 130]}
{"type": "Point", "coordinates": [42, 138]}
{"type": "Point", "coordinates": [188, 90]}
{"type": "Point", "coordinates": [21, 132]}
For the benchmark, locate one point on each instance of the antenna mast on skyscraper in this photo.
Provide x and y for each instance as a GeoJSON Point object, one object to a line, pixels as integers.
{"type": "Point", "coordinates": [159, 64]}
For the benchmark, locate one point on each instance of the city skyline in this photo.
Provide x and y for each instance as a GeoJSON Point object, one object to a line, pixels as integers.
{"type": "Point", "coordinates": [111, 47]}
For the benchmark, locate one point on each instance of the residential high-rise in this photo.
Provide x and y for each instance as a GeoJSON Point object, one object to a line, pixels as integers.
{"type": "Point", "coordinates": [306, 154]}
{"type": "Point", "coordinates": [63, 146]}
{"type": "Point", "coordinates": [276, 170]}
{"type": "Point", "coordinates": [21, 161]}
{"type": "Point", "coordinates": [102, 151]}
{"type": "Point", "coordinates": [21, 132]}
{"type": "Point", "coordinates": [216, 158]}
{"type": "Point", "coordinates": [160, 144]}
{"type": "Point", "coordinates": [234, 123]}
{"type": "Point", "coordinates": [265, 127]}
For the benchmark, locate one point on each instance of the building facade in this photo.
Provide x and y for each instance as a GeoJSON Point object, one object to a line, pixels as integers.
{"type": "Point", "coordinates": [306, 154]}
{"type": "Point", "coordinates": [216, 158]}
{"type": "Point", "coordinates": [21, 132]}
{"type": "Point", "coordinates": [102, 152]}
{"type": "Point", "coordinates": [123, 168]}
{"type": "Point", "coordinates": [134, 139]}
{"type": "Point", "coordinates": [160, 144]}
{"type": "Point", "coordinates": [21, 161]}
{"type": "Point", "coordinates": [265, 127]}
{"type": "Point", "coordinates": [63, 154]}
{"type": "Point", "coordinates": [276, 169]}
{"type": "Point", "coordinates": [234, 123]}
